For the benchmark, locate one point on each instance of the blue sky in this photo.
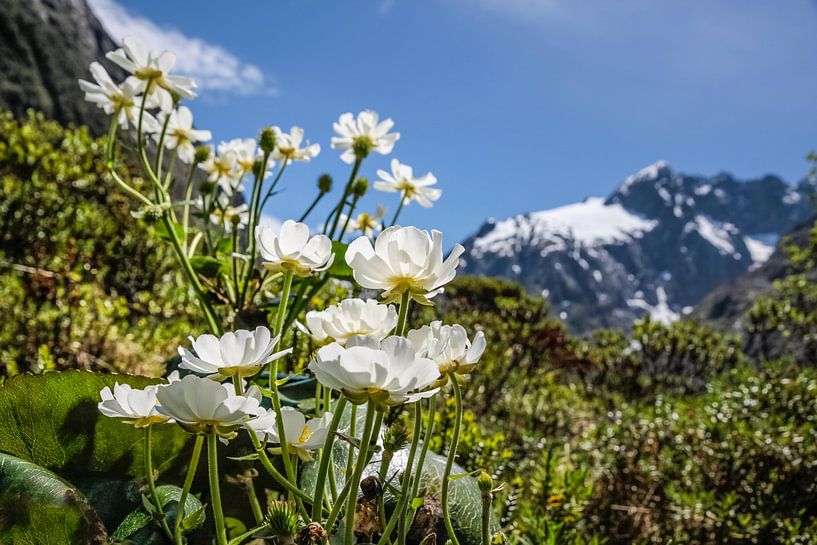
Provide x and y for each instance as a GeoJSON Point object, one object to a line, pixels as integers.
{"type": "Point", "coordinates": [515, 105]}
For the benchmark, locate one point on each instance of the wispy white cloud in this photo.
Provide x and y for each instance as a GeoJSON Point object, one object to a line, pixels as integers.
{"type": "Point", "coordinates": [213, 67]}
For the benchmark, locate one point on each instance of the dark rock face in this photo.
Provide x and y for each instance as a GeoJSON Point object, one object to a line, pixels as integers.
{"type": "Point", "coordinates": [658, 244]}
{"type": "Point", "coordinates": [45, 47]}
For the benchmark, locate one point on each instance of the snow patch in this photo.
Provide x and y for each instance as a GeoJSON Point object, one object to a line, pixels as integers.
{"type": "Point", "coordinates": [761, 247]}
{"type": "Point", "coordinates": [589, 223]}
{"type": "Point", "coordinates": [718, 234]}
{"type": "Point", "coordinates": [648, 173]}
{"type": "Point", "coordinates": [661, 311]}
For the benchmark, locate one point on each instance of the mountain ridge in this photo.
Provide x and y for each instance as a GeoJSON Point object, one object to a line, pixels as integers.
{"type": "Point", "coordinates": [657, 244]}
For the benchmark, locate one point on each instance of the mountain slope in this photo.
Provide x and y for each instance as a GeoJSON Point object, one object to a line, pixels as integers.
{"type": "Point", "coordinates": [45, 46]}
{"type": "Point", "coordinates": [659, 243]}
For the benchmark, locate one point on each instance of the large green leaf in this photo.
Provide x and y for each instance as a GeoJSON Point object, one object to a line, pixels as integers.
{"type": "Point", "coordinates": [52, 420]}
{"type": "Point", "coordinates": [137, 527]}
{"type": "Point", "coordinates": [39, 508]}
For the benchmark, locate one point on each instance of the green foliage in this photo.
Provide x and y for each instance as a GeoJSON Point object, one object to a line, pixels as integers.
{"type": "Point", "coordinates": [81, 283]}
{"type": "Point", "coordinates": [60, 428]}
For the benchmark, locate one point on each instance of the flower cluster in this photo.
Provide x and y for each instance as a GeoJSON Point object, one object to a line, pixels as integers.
{"type": "Point", "coordinates": [362, 355]}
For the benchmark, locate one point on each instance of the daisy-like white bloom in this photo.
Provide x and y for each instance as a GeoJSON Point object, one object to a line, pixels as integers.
{"type": "Point", "coordinates": [201, 406]}
{"type": "Point", "coordinates": [223, 169]}
{"type": "Point", "coordinates": [350, 318]}
{"type": "Point", "coordinates": [403, 260]}
{"type": "Point", "coordinates": [303, 436]}
{"type": "Point", "coordinates": [180, 134]}
{"type": "Point", "coordinates": [366, 223]}
{"type": "Point", "coordinates": [449, 347]}
{"type": "Point", "coordinates": [123, 101]}
{"type": "Point", "coordinates": [388, 372]}
{"type": "Point", "coordinates": [151, 72]}
{"type": "Point", "coordinates": [292, 249]}
{"type": "Point", "coordinates": [359, 136]}
{"type": "Point", "coordinates": [224, 214]}
{"type": "Point", "coordinates": [246, 153]}
{"type": "Point", "coordinates": [288, 146]}
{"type": "Point", "coordinates": [240, 353]}
{"type": "Point", "coordinates": [402, 180]}
{"type": "Point", "coordinates": [137, 407]}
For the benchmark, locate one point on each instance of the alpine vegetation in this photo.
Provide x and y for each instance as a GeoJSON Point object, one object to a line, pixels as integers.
{"type": "Point", "coordinates": [256, 287]}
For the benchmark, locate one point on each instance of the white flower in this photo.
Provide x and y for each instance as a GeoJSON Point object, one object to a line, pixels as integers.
{"type": "Point", "coordinates": [246, 154]}
{"type": "Point", "coordinates": [366, 223]}
{"type": "Point", "coordinates": [449, 347]}
{"type": "Point", "coordinates": [200, 405]}
{"type": "Point", "coordinates": [180, 133]}
{"type": "Point", "coordinates": [223, 169]}
{"type": "Point", "coordinates": [402, 180]}
{"type": "Point", "coordinates": [292, 249]}
{"type": "Point", "coordinates": [119, 100]}
{"type": "Point", "coordinates": [359, 136]}
{"type": "Point", "coordinates": [224, 213]}
{"type": "Point", "coordinates": [138, 407]}
{"type": "Point", "coordinates": [151, 72]}
{"type": "Point", "coordinates": [388, 372]}
{"type": "Point", "coordinates": [350, 318]}
{"type": "Point", "coordinates": [303, 436]}
{"type": "Point", "coordinates": [241, 352]}
{"type": "Point", "coordinates": [403, 259]}
{"type": "Point", "coordinates": [288, 146]}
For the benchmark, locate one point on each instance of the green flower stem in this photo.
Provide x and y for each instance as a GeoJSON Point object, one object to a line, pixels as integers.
{"type": "Point", "coordinates": [362, 457]}
{"type": "Point", "coordinates": [348, 217]}
{"type": "Point", "coordinates": [333, 514]}
{"type": "Point", "coordinates": [239, 539]}
{"type": "Point", "coordinates": [253, 222]}
{"type": "Point", "coordinates": [312, 206]}
{"type": "Point", "coordinates": [405, 484]}
{"type": "Point", "coordinates": [399, 209]}
{"type": "Point", "coordinates": [188, 482]}
{"type": "Point", "coordinates": [154, 496]}
{"type": "Point", "coordinates": [273, 375]}
{"type": "Point", "coordinates": [415, 489]}
{"type": "Point", "coordinates": [209, 313]}
{"type": "Point", "coordinates": [215, 492]}
{"type": "Point", "coordinates": [350, 458]}
{"type": "Point", "coordinates": [382, 473]}
{"type": "Point", "coordinates": [282, 306]}
{"type": "Point", "coordinates": [326, 458]}
{"type": "Point", "coordinates": [111, 141]}
{"type": "Point", "coordinates": [257, 513]}
{"type": "Point", "coordinates": [124, 185]}
{"type": "Point", "coordinates": [170, 181]}
{"type": "Point", "coordinates": [346, 191]}
{"type": "Point", "coordinates": [452, 453]}
{"type": "Point", "coordinates": [403, 316]}
{"type": "Point", "coordinates": [235, 263]}
{"type": "Point", "coordinates": [272, 186]}
{"type": "Point", "coordinates": [487, 498]}
{"type": "Point", "coordinates": [188, 196]}
{"type": "Point", "coordinates": [160, 149]}
{"type": "Point", "coordinates": [274, 473]}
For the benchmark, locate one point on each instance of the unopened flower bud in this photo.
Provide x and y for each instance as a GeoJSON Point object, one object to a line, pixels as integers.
{"type": "Point", "coordinates": [207, 187]}
{"type": "Point", "coordinates": [396, 437]}
{"type": "Point", "coordinates": [360, 187]}
{"type": "Point", "coordinates": [325, 183]}
{"type": "Point", "coordinates": [257, 167]}
{"type": "Point", "coordinates": [362, 147]}
{"type": "Point", "coordinates": [266, 141]}
{"type": "Point", "coordinates": [202, 154]}
{"type": "Point", "coordinates": [485, 482]}
{"type": "Point", "coordinates": [282, 520]}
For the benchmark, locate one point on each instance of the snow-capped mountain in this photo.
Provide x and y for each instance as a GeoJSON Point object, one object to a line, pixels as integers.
{"type": "Point", "coordinates": [657, 244]}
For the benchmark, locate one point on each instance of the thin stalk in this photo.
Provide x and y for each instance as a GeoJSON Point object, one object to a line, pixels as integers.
{"type": "Point", "coordinates": [399, 208]}
{"type": "Point", "coordinates": [274, 473]}
{"type": "Point", "coordinates": [404, 486]}
{"type": "Point", "coordinates": [348, 217]}
{"type": "Point", "coordinates": [154, 495]}
{"type": "Point", "coordinates": [312, 206]}
{"type": "Point", "coordinates": [257, 513]}
{"type": "Point", "coordinates": [188, 195]}
{"type": "Point", "coordinates": [452, 453]}
{"type": "Point", "coordinates": [403, 315]}
{"type": "Point", "coordinates": [161, 148]}
{"type": "Point", "coordinates": [235, 262]}
{"type": "Point", "coordinates": [111, 141]}
{"type": "Point", "coordinates": [215, 492]}
{"type": "Point", "coordinates": [326, 458]}
{"type": "Point", "coordinates": [487, 498]}
{"type": "Point", "coordinates": [350, 458]}
{"type": "Point", "coordinates": [415, 489]}
{"type": "Point", "coordinates": [274, 183]}
{"type": "Point", "coordinates": [188, 482]}
{"type": "Point", "coordinates": [209, 313]}
{"type": "Point", "coordinates": [253, 222]}
{"type": "Point", "coordinates": [346, 190]}
{"type": "Point", "coordinates": [336, 508]}
{"type": "Point", "coordinates": [362, 457]}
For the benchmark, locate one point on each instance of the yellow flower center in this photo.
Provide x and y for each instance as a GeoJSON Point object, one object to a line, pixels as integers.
{"type": "Point", "coordinates": [305, 435]}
